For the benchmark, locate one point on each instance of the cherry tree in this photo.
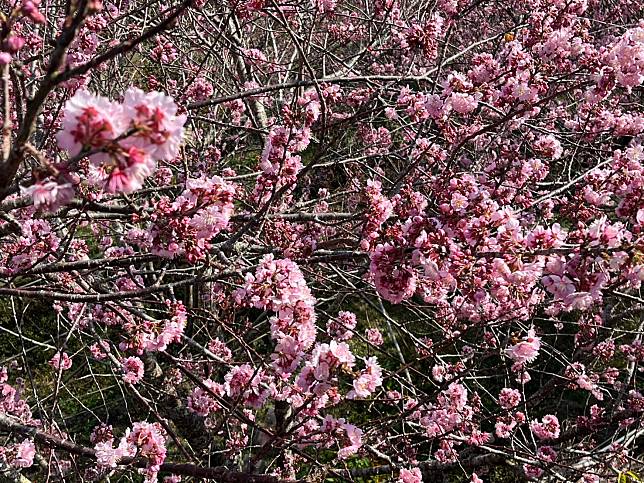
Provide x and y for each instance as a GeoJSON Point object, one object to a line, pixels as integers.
{"type": "Point", "coordinates": [344, 240]}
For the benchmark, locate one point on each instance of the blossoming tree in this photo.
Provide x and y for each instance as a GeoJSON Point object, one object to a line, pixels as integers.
{"type": "Point", "coordinates": [276, 240]}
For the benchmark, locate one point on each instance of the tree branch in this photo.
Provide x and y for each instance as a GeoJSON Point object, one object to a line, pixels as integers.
{"type": "Point", "coordinates": [218, 473]}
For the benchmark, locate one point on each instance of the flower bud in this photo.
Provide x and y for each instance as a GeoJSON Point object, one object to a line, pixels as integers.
{"type": "Point", "coordinates": [30, 9]}
{"type": "Point", "coordinates": [5, 58]}
{"type": "Point", "coordinates": [13, 43]}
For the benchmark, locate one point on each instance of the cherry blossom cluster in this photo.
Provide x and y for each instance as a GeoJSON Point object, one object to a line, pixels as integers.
{"type": "Point", "coordinates": [280, 162]}
{"type": "Point", "coordinates": [144, 440]}
{"type": "Point", "coordinates": [186, 226]}
{"type": "Point", "coordinates": [21, 17]}
{"type": "Point", "coordinates": [124, 142]}
{"type": "Point", "coordinates": [154, 335]}
{"type": "Point", "coordinates": [278, 285]}
{"type": "Point", "coordinates": [12, 404]}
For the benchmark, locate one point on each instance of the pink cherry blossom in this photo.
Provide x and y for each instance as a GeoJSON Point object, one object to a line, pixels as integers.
{"type": "Point", "coordinates": [158, 128]}
{"type": "Point", "coordinates": [368, 380]}
{"type": "Point", "coordinates": [509, 398]}
{"type": "Point", "coordinates": [131, 169]}
{"type": "Point", "coordinates": [341, 327]}
{"type": "Point", "coordinates": [547, 429]}
{"type": "Point", "coordinates": [526, 350]}
{"type": "Point", "coordinates": [627, 58]}
{"type": "Point", "coordinates": [108, 456]}
{"type": "Point", "coordinates": [413, 475]}
{"type": "Point", "coordinates": [61, 361]}
{"type": "Point", "coordinates": [133, 370]}
{"type": "Point", "coordinates": [90, 122]}
{"type": "Point", "coordinates": [49, 195]}
{"type": "Point", "coordinates": [374, 336]}
{"type": "Point", "coordinates": [463, 103]}
{"type": "Point", "coordinates": [25, 453]}
{"type": "Point", "coordinates": [394, 279]}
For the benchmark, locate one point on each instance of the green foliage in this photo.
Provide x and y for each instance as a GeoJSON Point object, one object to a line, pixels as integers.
{"type": "Point", "coordinates": [628, 477]}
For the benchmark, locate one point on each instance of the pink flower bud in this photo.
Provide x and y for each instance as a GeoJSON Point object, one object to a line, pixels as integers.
{"type": "Point", "coordinates": [30, 9]}
{"type": "Point", "coordinates": [13, 43]}
{"type": "Point", "coordinates": [5, 58]}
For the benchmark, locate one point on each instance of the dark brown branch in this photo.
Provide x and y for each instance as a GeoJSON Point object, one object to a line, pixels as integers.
{"type": "Point", "coordinates": [321, 256]}
{"type": "Point", "coordinates": [218, 473]}
{"type": "Point", "coordinates": [126, 46]}
{"type": "Point", "coordinates": [9, 167]}
{"type": "Point", "coordinates": [428, 468]}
